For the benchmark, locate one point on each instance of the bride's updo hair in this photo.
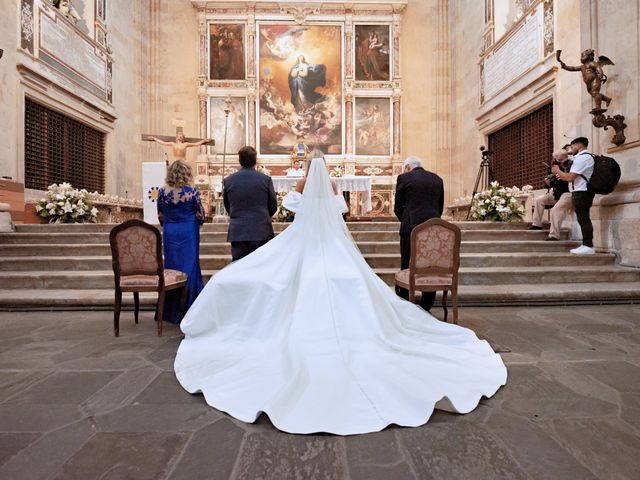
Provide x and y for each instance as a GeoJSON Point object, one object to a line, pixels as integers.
{"type": "Point", "coordinates": [315, 154]}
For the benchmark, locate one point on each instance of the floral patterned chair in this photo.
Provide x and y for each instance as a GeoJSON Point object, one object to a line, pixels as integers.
{"type": "Point", "coordinates": [435, 260]}
{"type": "Point", "coordinates": [136, 251]}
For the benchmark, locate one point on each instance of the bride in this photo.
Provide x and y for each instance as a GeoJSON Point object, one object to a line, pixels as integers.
{"type": "Point", "coordinates": [304, 331]}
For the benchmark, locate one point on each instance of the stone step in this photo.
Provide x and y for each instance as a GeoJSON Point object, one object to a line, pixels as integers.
{"type": "Point", "coordinates": [213, 237]}
{"type": "Point", "coordinates": [222, 227]}
{"type": "Point", "coordinates": [100, 279]}
{"type": "Point", "coordinates": [224, 248]}
{"type": "Point", "coordinates": [375, 260]}
{"type": "Point", "coordinates": [529, 294]}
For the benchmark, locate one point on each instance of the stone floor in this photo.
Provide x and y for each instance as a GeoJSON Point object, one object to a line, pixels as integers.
{"type": "Point", "coordinates": [77, 403]}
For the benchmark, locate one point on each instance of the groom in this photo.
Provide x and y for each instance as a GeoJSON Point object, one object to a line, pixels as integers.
{"type": "Point", "coordinates": [419, 197]}
{"type": "Point", "coordinates": [250, 200]}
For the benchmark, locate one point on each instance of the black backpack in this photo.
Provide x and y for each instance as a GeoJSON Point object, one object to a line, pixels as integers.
{"type": "Point", "coordinates": [605, 177]}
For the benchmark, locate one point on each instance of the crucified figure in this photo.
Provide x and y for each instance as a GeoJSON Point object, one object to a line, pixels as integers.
{"type": "Point", "coordinates": [180, 145]}
{"type": "Point", "coordinates": [592, 75]}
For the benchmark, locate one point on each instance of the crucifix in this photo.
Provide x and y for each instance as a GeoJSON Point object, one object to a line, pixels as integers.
{"type": "Point", "coordinates": [179, 144]}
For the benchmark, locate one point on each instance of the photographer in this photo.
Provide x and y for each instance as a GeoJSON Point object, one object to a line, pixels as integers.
{"type": "Point", "coordinates": [581, 170]}
{"type": "Point", "coordinates": [557, 195]}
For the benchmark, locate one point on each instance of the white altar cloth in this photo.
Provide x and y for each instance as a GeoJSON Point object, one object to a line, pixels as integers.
{"type": "Point", "coordinates": [346, 183]}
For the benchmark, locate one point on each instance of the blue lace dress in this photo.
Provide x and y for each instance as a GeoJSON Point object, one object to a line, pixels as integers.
{"type": "Point", "coordinates": [181, 214]}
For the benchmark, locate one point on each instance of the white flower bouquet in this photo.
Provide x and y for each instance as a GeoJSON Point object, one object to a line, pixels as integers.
{"type": "Point", "coordinates": [498, 204]}
{"type": "Point", "coordinates": [65, 204]}
{"type": "Point", "coordinates": [337, 171]}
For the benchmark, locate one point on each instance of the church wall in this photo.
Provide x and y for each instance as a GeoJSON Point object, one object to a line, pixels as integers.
{"type": "Point", "coordinates": [173, 75]}
{"type": "Point", "coordinates": [8, 90]}
{"type": "Point", "coordinates": [578, 24]}
{"type": "Point", "coordinates": [465, 38]}
{"type": "Point", "coordinates": [129, 37]}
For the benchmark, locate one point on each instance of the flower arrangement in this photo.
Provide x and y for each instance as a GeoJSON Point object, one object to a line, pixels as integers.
{"type": "Point", "coordinates": [337, 171]}
{"type": "Point", "coordinates": [65, 204]}
{"type": "Point", "coordinates": [498, 204]}
{"type": "Point", "coordinates": [263, 169]}
{"type": "Point", "coordinates": [282, 214]}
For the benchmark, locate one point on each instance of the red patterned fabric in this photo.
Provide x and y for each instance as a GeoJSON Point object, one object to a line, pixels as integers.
{"type": "Point", "coordinates": [171, 277]}
{"type": "Point", "coordinates": [137, 251]}
{"type": "Point", "coordinates": [402, 277]}
{"type": "Point", "coordinates": [435, 247]}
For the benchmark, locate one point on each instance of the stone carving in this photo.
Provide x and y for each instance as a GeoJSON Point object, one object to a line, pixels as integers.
{"type": "Point", "coordinates": [594, 78]}
{"type": "Point", "coordinates": [26, 25]}
{"type": "Point", "coordinates": [299, 14]}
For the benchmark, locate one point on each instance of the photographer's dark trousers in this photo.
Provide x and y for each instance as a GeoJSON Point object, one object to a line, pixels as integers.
{"type": "Point", "coordinates": [428, 298]}
{"type": "Point", "coordinates": [582, 202]}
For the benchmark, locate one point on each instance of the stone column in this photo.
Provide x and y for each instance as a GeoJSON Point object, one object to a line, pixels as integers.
{"type": "Point", "coordinates": [396, 45]}
{"type": "Point", "coordinates": [348, 45]}
{"type": "Point", "coordinates": [202, 35]}
{"type": "Point", "coordinates": [202, 118]}
{"type": "Point", "coordinates": [348, 115]}
{"type": "Point", "coordinates": [251, 43]}
{"type": "Point", "coordinates": [251, 115]}
{"type": "Point", "coordinates": [396, 126]}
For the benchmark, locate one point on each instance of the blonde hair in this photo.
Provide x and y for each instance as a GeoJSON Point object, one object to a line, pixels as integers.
{"type": "Point", "coordinates": [315, 154]}
{"type": "Point", "coordinates": [179, 174]}
{"type": "Point", "coordinates": [560, 153]}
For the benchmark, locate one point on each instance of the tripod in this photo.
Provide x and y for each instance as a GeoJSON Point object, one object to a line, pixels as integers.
{"type": "Point", "coordinates": [484, 178]}
{"type": "Point", "coordinates": [221, 214]}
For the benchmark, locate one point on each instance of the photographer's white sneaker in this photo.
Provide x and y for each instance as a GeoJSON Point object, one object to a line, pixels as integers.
{"type": "Point", "coordinates": [583, 250]}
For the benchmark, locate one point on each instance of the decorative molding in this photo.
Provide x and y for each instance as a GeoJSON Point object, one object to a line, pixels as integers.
{"type": "Point", "coordinates": [26, 25]}
{"type": "Point", "coordinates": [300, 14]}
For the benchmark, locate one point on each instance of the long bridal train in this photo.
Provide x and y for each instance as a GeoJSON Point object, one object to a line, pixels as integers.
{"type": "Point", "coordinates": [304, 331]}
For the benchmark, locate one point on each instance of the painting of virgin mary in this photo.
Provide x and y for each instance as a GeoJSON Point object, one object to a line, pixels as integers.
{"type": "Point", "coordinates": [304, 78]}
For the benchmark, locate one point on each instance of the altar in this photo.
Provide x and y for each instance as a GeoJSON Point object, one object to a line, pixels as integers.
{"type": "Point", "coordinates": [346, 184]}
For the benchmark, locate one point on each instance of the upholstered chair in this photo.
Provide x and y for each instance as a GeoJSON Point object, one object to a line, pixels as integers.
{"type": "Point", "coordinates": [136, 251]}
{"type": "Point", "coordinates": [435, 261]}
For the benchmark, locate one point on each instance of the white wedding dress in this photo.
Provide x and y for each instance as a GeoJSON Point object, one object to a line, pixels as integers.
{"type": "Point", "coordinates": [304, 331]}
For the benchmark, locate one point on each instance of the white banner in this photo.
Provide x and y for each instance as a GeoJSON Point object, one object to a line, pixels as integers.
{"type": "Point", "coordinates": [153, 175]}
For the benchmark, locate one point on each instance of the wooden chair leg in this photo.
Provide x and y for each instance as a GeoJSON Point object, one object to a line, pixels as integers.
{"type": "Point", "coordinates": [183, 300]}
{"type": "Point", "coordinates": [116, 313]}
{"type": "Point", "coordinates": [136, 303]}
{"type": "Point", "coordinates": [444, 304]}
{"type": "Point", "coordinates": [412, 296]}
{"type": "Point", "coordinates": [160, 311]}
{"type": "Point", "coordinates": [454, 302]}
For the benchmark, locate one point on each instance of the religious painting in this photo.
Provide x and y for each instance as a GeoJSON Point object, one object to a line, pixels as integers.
{"type": "Point", "coordinates": [300, 88]}
{"type": "Point", "coordinates": [372, 52]}
{"type": "Point", "coordinates": [372, 126]}
{"type": "Point", "coordinates": [236, 123]}
{"type": "Point", "coordinates": [226, 52]}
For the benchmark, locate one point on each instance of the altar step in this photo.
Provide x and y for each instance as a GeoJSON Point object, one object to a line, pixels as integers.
{"type": "Point", "coordinates": [551, 294]}
{"type": "Point", "coordinates": [75, 237]}
{"type": "Point", "coordinates": [69, 266]}
{"type": "Point", "coordinates": [375, 260]}
{"type": "Point", "coordinates": [103, 279]}
{"type": "Point", "coordinates": [18, 249]}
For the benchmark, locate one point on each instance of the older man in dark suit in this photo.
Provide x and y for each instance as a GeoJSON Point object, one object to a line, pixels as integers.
{"type": "Point", "coordinates": [419, 197]}
{"type": "Point", "coordinates": [250, 200]}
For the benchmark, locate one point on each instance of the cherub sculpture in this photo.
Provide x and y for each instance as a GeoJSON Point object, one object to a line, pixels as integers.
{"type": "Point", "coordinates": [68, 10]}
{"type": "Point", "coordinates": [592, 75]}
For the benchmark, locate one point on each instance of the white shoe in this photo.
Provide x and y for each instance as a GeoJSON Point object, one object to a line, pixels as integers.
{"type": "Point", "coordinates": [583, 250]}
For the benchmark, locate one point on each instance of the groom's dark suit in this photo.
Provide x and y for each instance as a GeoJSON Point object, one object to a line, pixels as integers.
{"type": "Point", "coordinates": [419, 197]}
{"type": "Point", "coordinates": [250, 200]}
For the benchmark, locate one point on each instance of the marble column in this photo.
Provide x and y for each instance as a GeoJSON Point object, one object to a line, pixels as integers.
{"type": "Point", "coordinates": [251, 115]}
{"type": "Point", "coordinates": [202, 36]}
{"type": "Point", "coordinates": [202, 119]}
{"type": "Point", "coordinates": [348, 114]}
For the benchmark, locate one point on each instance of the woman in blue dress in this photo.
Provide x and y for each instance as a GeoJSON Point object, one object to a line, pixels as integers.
{"type": "Point", "coordinates": [181, 214]}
